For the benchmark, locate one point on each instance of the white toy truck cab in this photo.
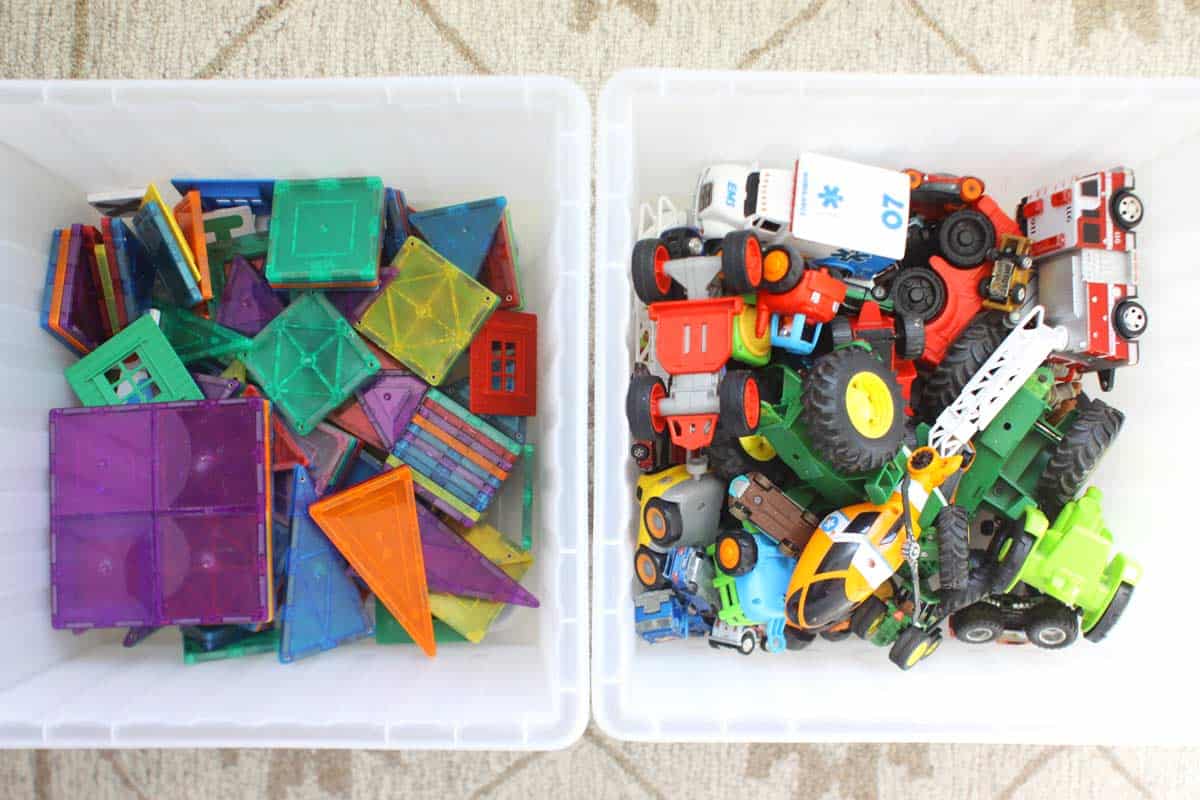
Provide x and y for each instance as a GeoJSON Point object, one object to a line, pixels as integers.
{"type": "Point", "coordinates": [820, 206]}
{"type": "Point", "coordinates": [1084, 249]}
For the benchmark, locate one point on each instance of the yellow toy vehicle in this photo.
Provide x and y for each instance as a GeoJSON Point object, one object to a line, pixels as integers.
{"type": "Point", "coordinates": [857, 548]}
{"type": "Point", "coordinates": [677, 507]}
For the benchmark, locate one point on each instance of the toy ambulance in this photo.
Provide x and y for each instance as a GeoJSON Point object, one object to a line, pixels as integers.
{"type": "Point", "coordinates": [825, 207]}
{"type": "Point", "coordinates": [1085, 251]}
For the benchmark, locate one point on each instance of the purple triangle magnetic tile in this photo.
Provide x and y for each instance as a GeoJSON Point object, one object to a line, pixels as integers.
{"type": "Point", "coordinates": [79, 312]}
{"type": "Point", "coordinates": [390, 402]}
{"type": "Point", "coordinates": [453, 566]}
{"type": "Point", "coordinates": [248, 303]}
{"type": "Point", "coordinates": [214, 387]}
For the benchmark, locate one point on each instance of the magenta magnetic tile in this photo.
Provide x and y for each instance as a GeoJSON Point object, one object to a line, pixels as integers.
{"type": "Point", "coordinates": [211, 568]}
{"type": "Point", "coordinates": [248, 302]}
{"type": "Point", "coordinates": [158, 514]}
{"type": "Point", "coordinates": [79, 313]}
{"type": "Point", "coordinates": [454, 566]}
{"type": "Point", "coordinates": [390, 402]}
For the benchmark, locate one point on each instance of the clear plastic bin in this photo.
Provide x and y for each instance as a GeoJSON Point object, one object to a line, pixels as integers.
{"type": "Point", "coordinates": [441, 141]}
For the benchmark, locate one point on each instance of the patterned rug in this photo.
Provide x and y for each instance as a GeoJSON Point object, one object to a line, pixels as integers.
{"type": "Point", "coordinates": [587, 40]}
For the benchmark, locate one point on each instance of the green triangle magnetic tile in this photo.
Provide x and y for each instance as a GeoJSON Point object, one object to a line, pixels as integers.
{"type": "Point", "coordinates": [308, 360]}
{"type": "Point", "coordinates": [195, 338]}
{"type": "Point", "coordinates": [254, 644]}
{"type": "Point", "coordinates": [463, 233]}
{"type": "Point", "coordinates": [429, 313]}
{"type": "Point", "coordinates": [389, 631]}
{"type": "Point", "coordinates": [138, 365]}
{"type": "Point", "coordinates": [325, 232]}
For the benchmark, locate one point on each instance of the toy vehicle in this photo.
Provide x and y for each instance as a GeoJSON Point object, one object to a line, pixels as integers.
{"type": "Point", "coordinates": [751, 576]}
{"type": "Point", "coordinates": [676, 508]}
{"type": "Point", "coordinates": [1007, 288]}
{"type": "Point", "coordinates": [897, 340]}
{"type": "Point", "coordinates": [820, 206]}
{"type": "Point", "coordinates": [1084, 248]}
{"type": "Point", "coordinates": [1071, 561]}
{"type": "Point", "coordinates": [796, 316]}
{"type": "Point", "coordinates": [754, 499]}
{"type": "Point", "coordinates": [659, 616]}
{"type": "Point", "coordinates": [742, 638]}
{"type": "Point", "coordinates": [858, 548]}
{"type": "Point", "coordinates": [693, 341]}
{"type": "Point", "coordinates": [1018, 618]}
{"type": "Point", "coordinates": [937, 191]}
{"type": "Point", "coordinates": [690, 574]}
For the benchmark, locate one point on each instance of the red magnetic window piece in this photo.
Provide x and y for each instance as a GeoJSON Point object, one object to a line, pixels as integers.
{"type": "Point", "coordinates": [504, 365]}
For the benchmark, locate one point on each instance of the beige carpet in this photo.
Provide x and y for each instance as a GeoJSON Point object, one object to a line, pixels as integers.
{"type": "Point", "coordinates": [587, 40]}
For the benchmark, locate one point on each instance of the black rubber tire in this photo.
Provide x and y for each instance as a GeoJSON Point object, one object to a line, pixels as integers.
{"type": "Point", "coordinates": [840, 332]}
{"type": "Point", "coordinates": [910, 337]}
{"type": "Point", "coordinates": [918, 292]}
{"type": "Point", "coordinates": [644, 285]}
{"type": "Point", "coordinates": [748, 643]}
{"type": "Point", "coordinates": [965, 237]}
{"type": "Point", "coordinates": [954, 558]}
{"type": "Point", "coordinates": [790, 278]}
{"type": "Point", "coordinates": [964, 358]}
{"type": "Point", "coordinates": [1108, 620]}
{"type": "Point", "coordinates": [831, 434]}
{"type": "Point", "coordinates": [637, 406]}
{"type": "Point", "coordinates": [1051, 625]}
{"type": "Point", "coordinates": [1006, 571]}
{"type": "Point", "coordinates": [671, 515]}
{"type": "Point", "coordinates": [747, 553]}
{"type": "Point", "coordinates": [639, 451]}
{"type": "Point", "coordinates": [647, 568]}
{"type": "Point", "coordinates": [865, 616]}
{"type": "Point", "coordinates": [1076, 455]}
{"type": "Point", "coordinates": [727, 460]}
{"type": "Point", "coordinates": [1130, 319]}
{"type": "Point", "coordinates": [739, 277]}
{"type": "Point", "coordinates": [980, 623]}
{"type": "Point", "coordinates": [731, 393]}
{"type": "Point", "coordinates": [835, 636]}
{"type": "Point", "coordinates": [1121, 200]}
{"type": "Point", "coordinates": [796, 639]}
{"type": "Point", "coordinates": [908, 641]}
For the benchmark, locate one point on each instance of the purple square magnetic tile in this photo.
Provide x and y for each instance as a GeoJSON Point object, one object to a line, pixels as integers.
{"type": "Point", "coordinates": [248, 302]}
{"type": "Point", "coordinates": [210, 455]}
{"type": "Point", "coordinates": [102, 571]}
{"type": "Point", "coordinates": [101, 461]}
{"type": "Point", "coordinates": [212, 568]}
{"type": "Point", "coordinates": [390, 402]}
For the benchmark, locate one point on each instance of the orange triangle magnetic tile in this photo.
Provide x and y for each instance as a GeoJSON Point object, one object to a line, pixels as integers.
{"type": "Point", "coordinates": [374, 525]}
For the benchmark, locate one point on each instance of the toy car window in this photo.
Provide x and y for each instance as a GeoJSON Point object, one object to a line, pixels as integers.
{"type": "Point", "coordinates": [838, 558]}
{"type": "Point", "coordinates": [767, 225]}
{"type": "Point", "coordinates": [1091, 233]}
{"type": "Point", "coordinates": [863, 522]}
{"type": "Point", "coordinates": [826, 602]}
{"type": "Point", "coordinates": [705, 196]}
{"type": "Point", "coordinates": [1090, 188]}
{"type": "Point", "coordinates": [751, 194]}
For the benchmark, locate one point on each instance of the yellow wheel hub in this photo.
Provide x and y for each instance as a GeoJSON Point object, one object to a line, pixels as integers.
{"type": "Point", "coordinates": [919, 652]}
{"type": "Point", "coordinates": [869, 405]}
{"type": "Point", "coordinates": [775, 265]}
{"type": "Point", "coordinates": [757, 447]}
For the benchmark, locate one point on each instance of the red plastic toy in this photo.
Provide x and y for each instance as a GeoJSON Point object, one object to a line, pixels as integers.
{"type": "Point", "coordinates": [504, 365]}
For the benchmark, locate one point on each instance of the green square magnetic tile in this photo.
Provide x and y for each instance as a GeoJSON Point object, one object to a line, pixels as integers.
{"type": "Point", "coordinates": [325, 232]}
{"type": "Point", "coordinates": [429, 313]}
{"type": "Point", "coordinates": [138, 365]}
{"type": "Point", "coordinates": [308, 360]}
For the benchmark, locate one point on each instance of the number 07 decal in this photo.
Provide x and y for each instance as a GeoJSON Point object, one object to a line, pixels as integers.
{"type": "Point", "coordinates": [891, 217]}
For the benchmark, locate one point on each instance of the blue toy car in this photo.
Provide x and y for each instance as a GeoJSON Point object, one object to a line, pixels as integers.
{"type": "Point", "coordinates": [863, 266]}
{"type": "Point", "coordinates": [660, 616]}
{"type": "Point", "coordinates": [691, 576]}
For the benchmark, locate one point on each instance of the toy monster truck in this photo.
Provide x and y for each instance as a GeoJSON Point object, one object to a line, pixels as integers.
{"type": "Point", "coordinates": [677, 508]}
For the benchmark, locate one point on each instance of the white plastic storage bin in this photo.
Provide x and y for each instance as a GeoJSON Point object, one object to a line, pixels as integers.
{"type": "Point", "coordinates": [442, 141]}
{"type": "Point", "coordinates": [656, 130]}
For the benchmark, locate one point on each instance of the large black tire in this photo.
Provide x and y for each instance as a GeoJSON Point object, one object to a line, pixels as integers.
{"type": "Point", "coordinates": [913, 646]}
{"type": "Point", "coordinates": [727, 459]}
{"type": "Point", "coordinates": [663, 521]}
{"type": "Point", "coordinates": [647, 567]}
{"type": "Point", "coordinates": [796, 639]}
{"type": "Point", "coordinates": [910, 337]}
{"type": "Point", "coordinates": [747, 553]}
{"type": "Point", "coordinates": [965, 237]}
{"type": "Point", "coordinates": [835, 636]}
{"type": "Point", "coordinates": [1009, 558]}
{"type": "Point", "coordinates": [866, 617]}
{"type": "Point", "coordinates": [965, 356]}
{"type": "Point", "coordinates": [954, 558]}
{"type": "Point", "coordinates": [977, 624]}
{"type": "Point", "coordinates": [831, 431]}
{"type": "Point", "coordinates": [918, 292]}
{"type": "Point", "coordinates": [638, 405]}
{"type": "Point", "coordinates": [647, 255]}
{"type": "Point", "coordinates": [1051, 625]}
{"type": "Point", "coordinates": [1077, 455]}
{"type": "Point", "coordinates": [1116, 607]}
{"type": "Point", "coordinates": [740, 409]}
{"type": "Point", "coordinates": [742, 261]}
